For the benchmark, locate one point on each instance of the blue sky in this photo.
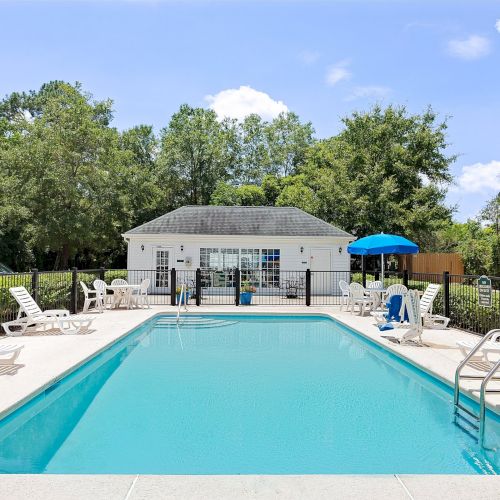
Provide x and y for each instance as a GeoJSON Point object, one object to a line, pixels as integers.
{"type": "Point", "coordinates": [319, 59]}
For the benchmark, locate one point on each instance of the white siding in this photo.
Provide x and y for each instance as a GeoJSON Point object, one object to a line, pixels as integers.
{"type": "Point", "coordinates": [291, 257]}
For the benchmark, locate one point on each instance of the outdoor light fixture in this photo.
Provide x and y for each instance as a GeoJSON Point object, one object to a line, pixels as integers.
{"type": "Point", "coordinates": [142, 248]}
{"type": "Point", "coordinates": [301, 249]}
{"type": "Point", "coordinates": [182, 248]}
{"type": "Point", "coordinates": [340, 249]}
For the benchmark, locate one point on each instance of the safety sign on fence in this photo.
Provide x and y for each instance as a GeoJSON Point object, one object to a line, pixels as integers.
{"type": "Point", "coordinates": [484, 291]}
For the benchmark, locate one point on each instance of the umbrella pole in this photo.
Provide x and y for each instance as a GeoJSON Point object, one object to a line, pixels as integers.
{"type": "Point", "coordinates": [382, 262]}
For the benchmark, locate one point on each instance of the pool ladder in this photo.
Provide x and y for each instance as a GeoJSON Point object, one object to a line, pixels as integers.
{"type": "Point", "coordinates": [478, 422]}
{"type": "Point", "coordinates": [182, 298]}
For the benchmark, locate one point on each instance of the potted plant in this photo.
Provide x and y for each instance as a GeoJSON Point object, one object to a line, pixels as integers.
{"type": "Point", "coordinates": [185, 295]}
{"type": "Point", "coordinates": [246, 293]}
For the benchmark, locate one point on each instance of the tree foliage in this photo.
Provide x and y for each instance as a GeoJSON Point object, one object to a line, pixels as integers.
{"type": "Point", "coordinates": [72, 183]}
{"type": "Point", "coordinates": [385, 171]}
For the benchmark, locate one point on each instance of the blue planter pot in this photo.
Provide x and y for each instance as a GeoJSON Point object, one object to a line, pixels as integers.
{"type": "Point", "coordinates": [185, 298]}
{"type": "Point", "coordinates": [246, 298]}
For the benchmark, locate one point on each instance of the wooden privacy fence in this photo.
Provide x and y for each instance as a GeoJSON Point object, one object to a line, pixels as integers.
{"type": "Point", "coordinates": [432, 263]}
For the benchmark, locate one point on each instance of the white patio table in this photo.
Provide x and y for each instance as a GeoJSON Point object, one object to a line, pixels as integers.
{"type": "Point", "coordinates": [379, 294]}
{"type": "Point", "coordinates": [126, 295]}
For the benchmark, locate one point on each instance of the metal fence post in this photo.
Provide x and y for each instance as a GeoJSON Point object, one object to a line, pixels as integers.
{"type": "Point", "coordinates": [102, 273]}
{"type": "Point", "coordinates": [173, 286]}
{"type": "Point", "coordinates": [198, 287]}
{"type": "Point", "coordinates": [34, 284]}
{"type": "Point", "coordinates": [405, 278]}
{"type": "Point", "coordinates": [237, 291]}
{"type": "Point", "coordinates": [308, 287]}
{"type": "Point", "coordinates": [446, 293]}
{"type": "Point", "coordinates": [74, 290]}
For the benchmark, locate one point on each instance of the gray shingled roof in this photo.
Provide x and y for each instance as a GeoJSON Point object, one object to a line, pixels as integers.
{"type": "Point", "coordinates": [265, 221]}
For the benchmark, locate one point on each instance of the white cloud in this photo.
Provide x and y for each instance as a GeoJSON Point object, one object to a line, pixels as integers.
{"type": "Point", "coordinates": [238, 103]}
{"type": "Point", "coordinates": [369, 91]}
{"type": "Point", "coordinates": [473, 47]}
{"type": "Point", "coordinates": [337, 73]}
{"type": "Point", "coordinates": [497, 25]}
{"type": "Point", "coordinates": [479, 176]}
{"type": "Point", "coordinates": [309, 56]}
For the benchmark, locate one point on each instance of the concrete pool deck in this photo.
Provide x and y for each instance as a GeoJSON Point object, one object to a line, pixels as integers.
{"type": "Point", "coordinates": [344, 487]}
{"type": "Point", "coordinates": [48, 357]}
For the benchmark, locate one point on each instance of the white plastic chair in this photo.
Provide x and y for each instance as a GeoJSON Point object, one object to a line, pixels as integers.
{"type": "Point", "coordinates": [119, 281]}
{"type": "Point", "coordinates": [346, 294]}
{"type": "Point", "coordinates": [91, 297]}
{"type": "Point", "coordinates": [359, 298]}
{"type": "Point", "coordinates": [34, 317]}
{"type": "Point", "coordinates": [140, 296]}
{"type": "Point", "coordinates": [371, 286]}
{"type": "Point", "coordinates": [118, 295]}
{"type": "Point", "coordinates": [100, 287]}
{"type": "Point", "coordinates": [396, 289]}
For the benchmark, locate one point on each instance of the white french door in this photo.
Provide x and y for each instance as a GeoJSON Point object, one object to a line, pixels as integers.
{"type": "Point", "coordinates": [162, 257]}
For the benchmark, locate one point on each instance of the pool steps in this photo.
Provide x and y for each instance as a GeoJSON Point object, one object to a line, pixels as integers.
{"type": "Point", "coordinates": [192, 322]}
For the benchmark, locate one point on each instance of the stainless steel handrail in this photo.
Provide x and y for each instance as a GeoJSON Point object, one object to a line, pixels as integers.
{"type": "Point", "coordinates": [466, 360]}
{"type": "Point", "coordinates": [481, 418]}
{"type": "Point", "coordinates": [482, 401]}
{"type": "Point", "coordinates": [182, 296]}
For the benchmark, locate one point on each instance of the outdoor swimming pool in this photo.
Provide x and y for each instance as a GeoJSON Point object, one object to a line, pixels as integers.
{"type": "Point", "coordinates": [246, 395]}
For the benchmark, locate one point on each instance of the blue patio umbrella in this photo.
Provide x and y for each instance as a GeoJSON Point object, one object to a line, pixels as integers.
{"type": "Point", "coordinates": [380, 244]}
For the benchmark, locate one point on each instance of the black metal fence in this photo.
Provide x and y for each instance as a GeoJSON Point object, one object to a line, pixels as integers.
{"type": "Point", "coordinates": [457, 299]}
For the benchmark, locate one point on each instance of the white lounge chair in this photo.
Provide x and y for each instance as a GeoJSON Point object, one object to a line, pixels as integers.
{"type": "Point", "coordinates": [140, 296]}
{"type": "Point", "coordinates": [491, 346]}
{"type": "Point", "coordinates": [35, 317]}
{"type": "Point", "coordinates": [432, 320]}
{"type": "Point", "coordinates": [415, 324]}
{"type": "Point", "coordinates": [91, 297]}
{"type": "Point", "coordinates": [359, 298]}
{"type": "Point", "coordinates": [346, 294]}
{"type": "Point", "coordinates": [9, 353]}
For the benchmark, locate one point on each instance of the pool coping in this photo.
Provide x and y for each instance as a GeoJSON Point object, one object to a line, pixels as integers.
{"type": "Point", "coordinates": [379, 341]}
{"type": "Point", "coordinates": [347, 487]}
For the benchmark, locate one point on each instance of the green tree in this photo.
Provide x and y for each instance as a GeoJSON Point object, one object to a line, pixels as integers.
{"type": "Point", "coordinates": [251, 195]}
{"type": "Point", "coordinates": [297, 194]}
{"type": "Point", "coordinates": [385, 171]}
{"type": "Point", "coordinates": [472, 242]}
{"type": "Point", "coordinates": [254, 159]}
{"type": "Point", "coordinates": [225, 195]}
{"type": "Point", "coordinates": [145, 194]}
{"type": "Point", "coordinates": [287, 141]}
{"type": "Point", "coordinates": [69, 165]}
{"type": "Point", "coordinates": [272, 186]}
{"type": "Point", "coordinates": [197, 151]}
{"type": "Point", "coordinates": [490, 214]}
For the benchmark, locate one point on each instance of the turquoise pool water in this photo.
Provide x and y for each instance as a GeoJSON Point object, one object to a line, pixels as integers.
{"type": "Point", "coordinates": [251, 395]}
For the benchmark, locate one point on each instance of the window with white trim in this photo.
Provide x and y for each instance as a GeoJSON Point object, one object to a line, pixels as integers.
{"type": "Point", "coordinates": [249, 265]}
{"type": "Point", "coordinates": [270, 261]}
